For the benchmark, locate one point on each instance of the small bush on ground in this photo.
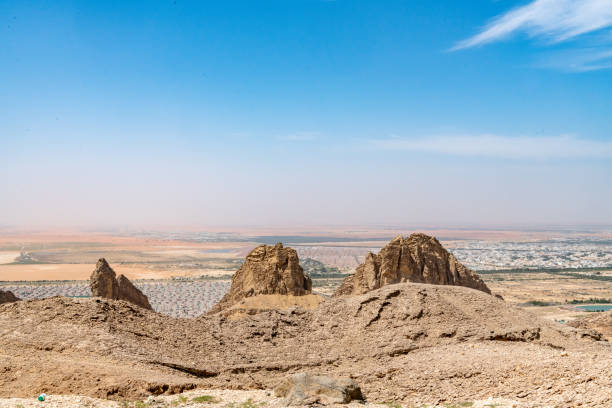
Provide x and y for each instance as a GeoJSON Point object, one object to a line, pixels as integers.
{"type": "Point", "coordinates": [206, 398]}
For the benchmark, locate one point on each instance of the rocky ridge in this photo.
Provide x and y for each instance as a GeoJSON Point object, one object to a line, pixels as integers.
{"type": "Point", "coordinates": [103, 283]}
{"type": "Point", "coordinates": [267, 270]}
{"type": "Point", "coordinates": [417, 258]}
{"type": "Point", "coordinates": [407, 342]}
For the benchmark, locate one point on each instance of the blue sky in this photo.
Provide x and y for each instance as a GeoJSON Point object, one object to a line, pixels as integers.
{"type": "Point", "coordinates": [306, 112]}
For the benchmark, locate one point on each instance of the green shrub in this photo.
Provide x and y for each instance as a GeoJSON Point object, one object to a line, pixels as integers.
{"type": "Point", "coordinates": [205, 398]}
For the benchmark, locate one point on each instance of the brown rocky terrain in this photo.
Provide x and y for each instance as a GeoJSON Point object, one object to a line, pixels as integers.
{"type": "Point", "coordinates": [267, 270]}
{"type": "Point", "coordinates": [409, 342]}
{"type": "Point", "coordinates": [104, 284]}
{"type": "Point", "coordinates": [261, 303]}
{"type": "Point", "coordinates": [601, 322]}
{"type": "Point", "coordinates": [418, 258]}
{"type": "Point", "coordinates": [6, 296]}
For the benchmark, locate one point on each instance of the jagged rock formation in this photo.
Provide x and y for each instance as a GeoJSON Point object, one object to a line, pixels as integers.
{"type": "Point", "coordinates": [6, 296]}
{"type": "Point", "coordinates": [129, 292]}
{"type": "Point", "coordinates": [267, 270]}
{"type": "Point", "coordinates": [104, 284]}
{"type": "Point", "coordinates": [418, 258]}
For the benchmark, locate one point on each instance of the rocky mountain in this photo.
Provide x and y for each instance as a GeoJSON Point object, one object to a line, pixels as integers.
{"type": "Point", "coordinates": [6, 296]}
{"type": "Point", "coordinates": [267, 270]}
{"type": "Point", "coordinates": [417, 258]}
{"type": "Point", "coordinates": [410, 343]}
{"type": "Point", "coordinates": [104, 284]}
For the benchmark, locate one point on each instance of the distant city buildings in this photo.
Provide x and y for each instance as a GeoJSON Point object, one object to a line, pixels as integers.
{"type": "Point", "coordinates": [562, 253]}
{"type": "Point", "coordinates": [486, 255]}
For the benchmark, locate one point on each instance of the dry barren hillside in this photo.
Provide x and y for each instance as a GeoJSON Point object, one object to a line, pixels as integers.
{"type": "Point", "coordinates": [406, 342]}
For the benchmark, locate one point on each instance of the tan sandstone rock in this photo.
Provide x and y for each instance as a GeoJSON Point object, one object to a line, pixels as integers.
{"type": "Point", "coordinates": [267, 270]}
{"type": "Point", "coordinates": [418, 258]}
{"type": "Point", "coordinates": [308, 389]}
{"type": "Point", "coordinates": [6, 296]}
{"type": "Point", "coordinates": [104, 284]}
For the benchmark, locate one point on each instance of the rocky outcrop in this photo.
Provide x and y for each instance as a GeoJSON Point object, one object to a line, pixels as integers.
{"type": "Point", "coordinates": [267, 270]}
{"type": "Point", "coordinates": [418, 258]}
{"type": "Point", "coordinates": [307, 389]}
{"type": "Point", "coordinates": [129, 292]}
{"type": "Point", "coordinates": [600, 322]}
{"type": "Point", "coordinates": [104, 284]}
{"type": "Point", "coordinates": [6, 296]}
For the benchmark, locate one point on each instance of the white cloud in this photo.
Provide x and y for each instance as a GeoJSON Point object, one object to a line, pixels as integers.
{"type": "Point", "coordinates": [553, 20]}
{"type": "Point", "coordinates": [581, 60]}
{"type": "Point", "coordinates": [556, 147]}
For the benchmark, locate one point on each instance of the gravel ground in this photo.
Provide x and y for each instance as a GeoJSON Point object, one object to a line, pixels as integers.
{"type": "Point", "coordinates": [219, 399]}
{"type": "Point", "coordinates": [172, 298]}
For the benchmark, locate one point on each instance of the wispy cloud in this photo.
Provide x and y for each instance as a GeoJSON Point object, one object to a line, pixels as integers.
{"type": "Point", "coordinates": [581, 60]}
{"type": "Point", "coordinates": [552, 20]}
{"type": "Point", "coordinates": [494, 146]}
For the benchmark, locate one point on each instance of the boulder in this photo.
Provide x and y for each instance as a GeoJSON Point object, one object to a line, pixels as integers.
{"type": "Point", "coordinates": [418, 258]}
{"type": "Point", "coordinates": [6, 296]}
{"type": "Point", "coordinates": [103, 283]}
{"type": "Point", "coordinates": [267, 270]}
{"type": "Point", "coordinates": [308, 389]}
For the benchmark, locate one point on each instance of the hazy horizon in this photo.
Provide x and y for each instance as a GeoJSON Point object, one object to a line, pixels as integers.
{"type": "Point", "coordinates": [273, 113]}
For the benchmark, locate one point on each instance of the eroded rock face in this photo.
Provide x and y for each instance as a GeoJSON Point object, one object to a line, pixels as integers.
{"type": "Point", "coordinates": [267, 270]}
{"type": "Point", "coordinates": [418, 258]}
{"type": "Point", "coordinates": [129, 292]}
{"type": "Point", "coordinates": [104, 284]}
{"type": "Point", "coordinates": [307, 389]}
{"type": "Point", "coordinates": [6, 296]}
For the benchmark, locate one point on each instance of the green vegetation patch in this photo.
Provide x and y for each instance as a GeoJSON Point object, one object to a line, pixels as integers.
{"type": "Point", "coordinates": [540, 303]}
{"type": "Point", "coordinates": [246, 404]}
{"type": "Point", "coordinates": [460, 404]}
{"type": "Point", "coordinates": [590, 300]}
{"type": "Point", "coordinates": [206, 398]}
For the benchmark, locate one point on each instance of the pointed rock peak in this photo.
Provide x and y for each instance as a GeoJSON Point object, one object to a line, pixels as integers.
{"type": "Point", "coordinates": [267, 270]}
{"type": "Point", "coordinates": [104, 284]}
{"type": "Point", "coordinates": [399, 238]}
{"type": "Point", "coordinates": [419, 236]}
{"type": "Point", "coordinates": [103, 265]}
{"type": "Point", "coordinates": [130, 293]}
{"type": "Point", "coordinates": [419, 258]}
